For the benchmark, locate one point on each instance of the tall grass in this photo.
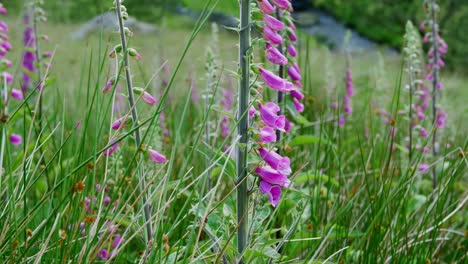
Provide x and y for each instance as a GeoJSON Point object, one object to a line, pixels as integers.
{"type": "Point", "coordinates": [354, 196]}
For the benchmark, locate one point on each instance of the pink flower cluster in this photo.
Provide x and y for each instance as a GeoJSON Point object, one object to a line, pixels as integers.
{"type": "Point", "coordinates": [227, 103]}
{"type": "Point", "coordinates": [347, 98]}
{"type": "Point", "coordinates": [274, 174]}
{"type": "Point", "coordinates": [6, 76]}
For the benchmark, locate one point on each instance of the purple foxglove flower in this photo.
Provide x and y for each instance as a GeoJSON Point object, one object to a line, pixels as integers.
{"type": "Point", "coordinates": [293, 73]}
{"type": "Point", "coordinates": [292, 35]}
{"type": "Point", "coordinates": [272, 36]}
{"type": "Point", "coordinates": [6, 45]}
{"type": "Point", "coordinates": [424, 168]}
{"type": "Point", "coordinates": [267, 135]}
{"type": "Point", "coordinates": [299, 107]}
{"type": "Point", "coordinates": [265, 6]}
{"type": "Point", "coordinates": [274, 192]}
{"type": "Point", "coordinates": [3, 27]}
{"type": "Point", "coordinates": [28, 61]}
{"type": "Point", "coordinates": [441, 118]}
{"type": "Point", "coordinates": [287, 125]}
{"type": "Point", "coordinates": [341, 121]}
{"type": "Point", "coordinates": [107, 200]}
{"type": "Point", "coordinates": [268, 113]}
{"type": "Point", "coordinates": [156, 157]}
{"type": "Point", "coordinates": [15, 139]}
{"type": "Point", "coordinates": [281, 164]}
{"type": "Point", "coordinates": [274, 55]}
{"type": "Point", "coordinates": [119, 123]}
{"type": "Point", "coordinates": [111, 150]}
{"type": "Point", "coordinates": [3, 10]}
{"type": "Point", "coordinates": [426, 150]}
{"type": "Point", "coordinates": [117, 241]}
{"type": "Point", "coordinates": [272, 176]}
{"type": "Point", "coordinates": [275, 82]}
{"type": "Point", "coordinates": [252, 111]}
{"type": "Point", "coordinates": [148, 98]}
{"type": "Point", "coordinates": [225, 127]}
{"type": "Point", "coordinates": [103, 254]}
{"type": "Point", "coordinates": [273, 23]}
{"type": "Point", "coordinates": [349, 82]}
{"type": "Point", "coordinates": [423, 132]}
{"type": "Point", "coordinates": [17, 94]}
{"type": "Point", "coordinates": [334, 105]}
{"type": "Point", "coordinates": [292, 50]}
{"type": "Point", "coordinates": [109, 85]}
{"type": "Point", "coordinates": [297, 94]}
{"type": "Point", "coordinates": [440, 86]}
{"type": "Point", "coordinates": [281, 4]}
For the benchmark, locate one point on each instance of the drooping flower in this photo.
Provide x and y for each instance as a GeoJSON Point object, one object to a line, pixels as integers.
{"type": "Point", "coordinates": [15, 139]}
{"type": "Point", "coordinates": [294, 73]}
{"type": "Point", "coordinates": [276, 161]}
{"type": "Point", "coordinates": [281, 4]}
{"type": "Point", "coordinates": [424, 168]}
{"type": "Point", "coordinates": [292, 50]}
{"type": "Point", "coordinates": [298, 105]}
{"type": "Point", "coordinates": [119, 123]}
{"type": "Point", "coordinates": [272, 36]}
{"type": "Point", "coordinates": [156, 157]}
{"type": "Point", "coordinates": [17, 94]}
{"type": "Point", "coordinates": [274, 192]}
{"type": "Point", "coordinates": [148, 98]}
{"type": "Point", "coordinates": [111, 150]}
{"type": "Point", "coordinates": [265, 6]}
{"type": "Point", "coordinates": [274, 55]}
{"type": "Point", "coordinates": [268, 113]}
{"type": "Point", "coordinates": [275, 82]}
{"type": "Point", "coordinates": [272, 176]}
{"type": "Point", "coordinates": [273, 23]}
{"type": "Point", "coordinates": [267, 135]}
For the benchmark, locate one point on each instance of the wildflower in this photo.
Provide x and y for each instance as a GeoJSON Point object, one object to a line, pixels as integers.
{"type": "Point", "coordinates": [272, 36]}
{"type": "Point", "coordinates": [111, 150]}
{"type": "Point", "coordinates": [265, 6]}
{"type": "Point", "coordinates": [274, 55]}
{"type": "Point", "coordinates": [267, 135]}
{"type": "Point", "coordinates": [252, 111]}
{"type": "Point", "coordinates": [156, 157]}
{"type": "Point", "coordinates": [103, 254]}
{"type": "Point", "coordinates": [341, 121]}
{"type": "Point", "coordinates": [17, 94]}
{"type": "Point", "coordinates": [268, 113]}
{"type": "Point", "coordinates": [424, 168]}
{"type": "Point", "coordinates": [107, 200]}
{"type": "Point", "coordinates": [281, 164]}
{"type": "Point", "coordinates": [298, 105]}
{"type": "Point", "coordinates": [423, 132]}
{"type": "Point", "coordinates": [281, 4]}
{"type": "Point", "coordinates": [273, 23]}
{"type": "Point", "coordinates": [148, 98]}
{"type": "Point", "coordinates": [272, 176]}
{"type": "Point", "coordinates": [292, 50]}
{"type": "Point", "coordinates": [293, 72]}
{"type": "Point", "coordinates": [274, 192]}
{"type": "Point", "coordinates": [109, 85]}
{"type": "Point", "coordinates": [119, 123]}
{"type": "Point", "coordinates": [15, 139]}
{"type": "Point", "coordinates": [134, 54]}
{"type": "Point", "coordinates": [117, 241]}
{"type": "Point", "coordinates": [8, 77]}
{"type": "Point", "coordinates": [275, 82]}
{"type": "Point", "coordinates": [79, 187]}
{"type": "Point", "coordinates": [297, 94]}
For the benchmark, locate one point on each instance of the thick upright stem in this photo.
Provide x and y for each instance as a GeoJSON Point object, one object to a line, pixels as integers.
{"type": "Point", "coordinates": [242, 128]}
{"type": "Point", "coordinates": [435, 73]}
{"type": "Point", "coordinates": [280, 74]}
{"type": "Point", "coordinates": [131, 99]}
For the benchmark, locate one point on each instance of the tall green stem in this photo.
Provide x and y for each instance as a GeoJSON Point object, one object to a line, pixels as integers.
{"type": "Point", "coordinates": [242, 128]}
{"type": "Point", "coordinates": [131, 99]}
{"type": "Point", "coordinates": [435, 73]}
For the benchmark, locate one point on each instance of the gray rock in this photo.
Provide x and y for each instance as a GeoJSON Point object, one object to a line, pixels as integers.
{"type": "Point", "coordinates": [109, 22]}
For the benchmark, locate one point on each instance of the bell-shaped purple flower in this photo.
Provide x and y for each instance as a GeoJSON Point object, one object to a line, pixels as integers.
{"type": "Point", "coordinates": [274, 55]}
{"type": "Point", "coordinates": [294, 73]}
{"type": "Point", "coordinates": [272, 36]}
{"type": "Point", "coordinates": [273, 23]}
{"type": "Point", "coordinates": [267, 135]}
{"type": "Point", "coordinates": [281, 164]}
{"type": "Point", "coordinates": [265, 6]}
{"type": "Point", "coordinates": [298, 105]}
{"type": "Point", "coordinates": [273, 192]}
{"type": "Point", "coordinates": [148, 98]}
{"type": "Point", "coordinates": [275, 82]}
{"type": "Point", "coordinates": [272, 176]}
{"type": "Point", "coordinates": [119, 123]}
{"type": "Point", "coordinates": [15, 139]}
{"type": "Point", "coordinates": [268, 113]}
{"type": "Point", "coordinates": [156, 157]}
{"type": "Point", "coordinates": [17, 94]}
{"type": "Point", "coordinates": [292, 50]}
{"type": "Point", "coordinates": [281, 4]}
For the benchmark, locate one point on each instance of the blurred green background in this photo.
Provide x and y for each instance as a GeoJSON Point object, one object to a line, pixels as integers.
{"type": "Point", "coordinates": [382, 21]}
